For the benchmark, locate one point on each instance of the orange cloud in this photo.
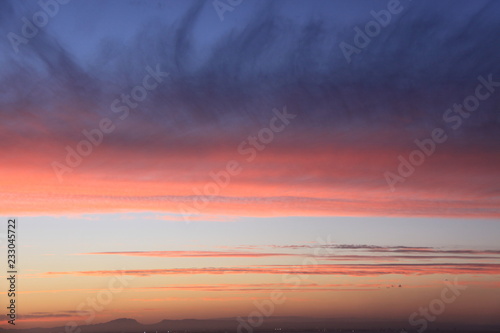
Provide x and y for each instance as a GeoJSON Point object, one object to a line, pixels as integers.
{"type": "Point", "coordinates": [324, 269]}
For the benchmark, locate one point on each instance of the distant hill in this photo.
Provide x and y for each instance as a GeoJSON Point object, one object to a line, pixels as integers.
{"type": "Point", "coordinates": [229, 325]}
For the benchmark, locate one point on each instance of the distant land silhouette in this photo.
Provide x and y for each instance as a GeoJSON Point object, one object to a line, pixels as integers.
{"type": "Point", "coordinates": [271, 324]}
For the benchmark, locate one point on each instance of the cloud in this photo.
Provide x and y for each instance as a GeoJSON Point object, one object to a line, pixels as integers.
{"type": "Point", "coordinates": [390, 253]}
{"type": "Point", "coordinates": [252, 288]}
{"type": "Point", "coordinates": [352, 120]}
{"type": "Point", "coordinates": [192, 254]}
{"type": "Point", "coordinates": [390, 250]}
{"type": "Point", "coordinates": [41, 315]}
{"type": "Point", "coordinates": [324, 269]}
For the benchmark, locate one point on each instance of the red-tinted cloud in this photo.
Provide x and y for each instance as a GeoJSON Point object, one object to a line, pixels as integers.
{"type": "Point", "coordinates": [324, 269]}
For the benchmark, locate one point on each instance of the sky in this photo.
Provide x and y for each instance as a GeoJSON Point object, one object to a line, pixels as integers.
{"type": "Point", "coordinates": [207, 153]}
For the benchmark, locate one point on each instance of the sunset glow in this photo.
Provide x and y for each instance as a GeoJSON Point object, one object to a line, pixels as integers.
{"type": "Point", "coordinates": [256, 164]}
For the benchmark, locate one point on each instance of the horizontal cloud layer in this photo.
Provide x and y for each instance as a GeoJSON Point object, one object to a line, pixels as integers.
{"type": "Point", "coordinates": [351, 121]}
{"type": "Point", "coordinates": [324, 269]}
